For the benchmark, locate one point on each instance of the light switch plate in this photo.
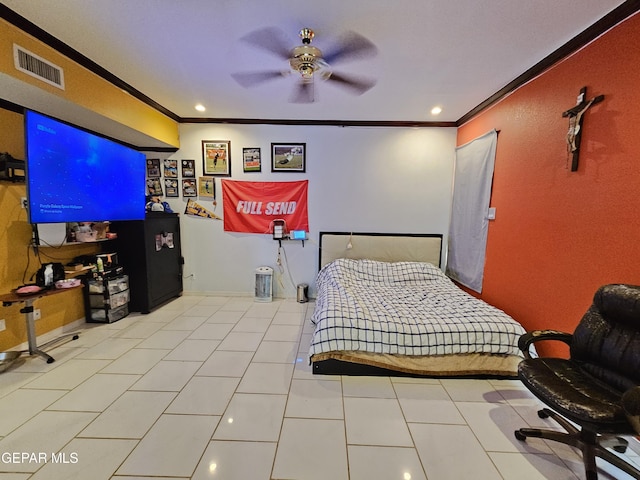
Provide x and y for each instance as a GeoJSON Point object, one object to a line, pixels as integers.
{"type": "Point", "coordinates": [491, 214]}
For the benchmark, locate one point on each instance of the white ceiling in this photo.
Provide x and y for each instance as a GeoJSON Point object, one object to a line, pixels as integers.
{"type": "Point", "coordinates": [454, 54]}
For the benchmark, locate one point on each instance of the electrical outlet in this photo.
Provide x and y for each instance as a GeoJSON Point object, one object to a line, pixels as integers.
{"type": "Point", "coordinates": [3, 325]}
{"type": "Point", "coordinates": [37, 314]}
{"type": "Point", "coordinates": [23, 202]}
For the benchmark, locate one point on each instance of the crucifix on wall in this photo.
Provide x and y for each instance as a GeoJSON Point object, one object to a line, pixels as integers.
{"type": "Point", "coordinates": [575, 115]}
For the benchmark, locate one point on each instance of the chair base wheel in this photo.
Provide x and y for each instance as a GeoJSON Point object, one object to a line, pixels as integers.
{"type": "Point", "coordinates": [520, 436]}
{"type": "Point", "coordinates": [590, 443]}
{"type": "Point", "coordinates": [543, 413]}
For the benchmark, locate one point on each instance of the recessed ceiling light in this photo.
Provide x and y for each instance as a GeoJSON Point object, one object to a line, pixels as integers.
{"type": "Point", "coordinates": [200, 107]}
{"type": "Point", "coordinates": [436, 110]}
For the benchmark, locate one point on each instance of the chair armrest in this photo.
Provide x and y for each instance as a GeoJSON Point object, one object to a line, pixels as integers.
{"type": "Point", "coordinates": [526, 340]}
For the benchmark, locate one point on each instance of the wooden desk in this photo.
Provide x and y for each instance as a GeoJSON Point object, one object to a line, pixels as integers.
{"type": "Point", "coordinates": [9, 299]}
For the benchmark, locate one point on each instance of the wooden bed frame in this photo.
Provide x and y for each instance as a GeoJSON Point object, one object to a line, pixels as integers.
{"type": "Point", "coordinates": [388, 247]}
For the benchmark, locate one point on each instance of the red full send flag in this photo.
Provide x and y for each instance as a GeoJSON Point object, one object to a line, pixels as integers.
{"type": "Point", "coordinates": [251, 207]}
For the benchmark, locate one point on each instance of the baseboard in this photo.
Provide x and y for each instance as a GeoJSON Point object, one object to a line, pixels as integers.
{"type": "Point", "coordinates": [234, 294]}
{"type": "Point", "coordinates": [78, 324]}
{"type": "Point", "coordinates": [53, 334]}
{"type": "Point", "coordinates": [216, 294]}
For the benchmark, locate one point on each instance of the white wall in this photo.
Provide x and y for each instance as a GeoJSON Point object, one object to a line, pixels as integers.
{"type": "Point", "coordinates": [360, 179]}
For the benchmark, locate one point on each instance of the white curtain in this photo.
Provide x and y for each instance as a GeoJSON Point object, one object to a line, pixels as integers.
{"type": "Point", "coordinates": [469, 224]}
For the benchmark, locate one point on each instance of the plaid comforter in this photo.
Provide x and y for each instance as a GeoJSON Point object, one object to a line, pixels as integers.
{"type": "Point", "coordinates": [404, 308]}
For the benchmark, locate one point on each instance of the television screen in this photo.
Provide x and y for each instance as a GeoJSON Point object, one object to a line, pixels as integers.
{"type": "Point", "coordinates": [77, 176]}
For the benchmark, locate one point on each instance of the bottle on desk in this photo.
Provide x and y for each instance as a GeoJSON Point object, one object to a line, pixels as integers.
{"type": "Point", "coordinates": [48, 275]}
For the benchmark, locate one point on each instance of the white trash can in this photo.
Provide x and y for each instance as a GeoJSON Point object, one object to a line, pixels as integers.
{"type": "Point", "coordinates": [264, 284]}
{"type": "Point", "coordinates": [303, 293]}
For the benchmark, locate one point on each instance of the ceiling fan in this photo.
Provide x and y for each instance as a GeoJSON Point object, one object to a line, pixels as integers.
{"type": "Point", "coordinates": [308, 62]}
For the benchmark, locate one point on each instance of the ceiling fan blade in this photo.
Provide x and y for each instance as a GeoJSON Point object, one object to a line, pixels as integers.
{"type": "Point", "coordinates": [250, 79]}
{"type": "Point", "coordinates": [271, 39]}
{"type": "Point", "coordinates": [303, 93]}
{"type": "Point", "coordinates": [352, 46]}
{"type": "Point", "coordinates": [357, 85]}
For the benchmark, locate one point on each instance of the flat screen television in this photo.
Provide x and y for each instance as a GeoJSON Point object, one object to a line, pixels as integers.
{"type": "Point", "coordinates": [77, 176]}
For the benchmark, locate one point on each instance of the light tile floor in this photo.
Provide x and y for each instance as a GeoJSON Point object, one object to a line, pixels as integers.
{"type": "Point", "coordinates": [220, 388]}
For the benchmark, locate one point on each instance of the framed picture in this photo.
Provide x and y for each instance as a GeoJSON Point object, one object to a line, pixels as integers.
{"type": "Point", "coordinates": [171, 187]}
{"type": "Point", "coordinates": [288, 157]}
{"type": "Point", "coordinates": [216, 158]}
{"type": "Point", "coordinates": [251, 160]}
{"type": "Point", "coordinates": [170, 168]}
{"type": "Point", "coordinates": [189, 188]}
{"type": "Point", "coordinates": [188, 168]}
{"type": "Point", "coordinates": [207, 187]}
{"type": "Point", "coordinates": [154, 187]}
{"type": "Point", "coordinates": [153, 167]}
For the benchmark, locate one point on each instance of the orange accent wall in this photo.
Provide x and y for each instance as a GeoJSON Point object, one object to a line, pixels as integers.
{"type": "Point", "coordinates": [559, 235]}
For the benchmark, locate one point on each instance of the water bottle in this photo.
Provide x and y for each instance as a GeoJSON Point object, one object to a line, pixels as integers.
{"type": "Point", "coordinates": [48, 275]}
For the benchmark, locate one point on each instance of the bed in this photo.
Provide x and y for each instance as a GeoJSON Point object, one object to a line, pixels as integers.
{"type": "Point", "coordinates": [383, 306]}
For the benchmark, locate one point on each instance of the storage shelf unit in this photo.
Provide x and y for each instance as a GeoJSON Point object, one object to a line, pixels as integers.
{"type": "Point", "coordinates": [106, 298]}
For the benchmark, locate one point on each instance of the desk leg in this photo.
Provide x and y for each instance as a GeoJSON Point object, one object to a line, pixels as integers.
{"type": "Point", "coordinates": [31, 332]}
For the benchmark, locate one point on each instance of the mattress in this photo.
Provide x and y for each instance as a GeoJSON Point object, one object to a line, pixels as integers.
{"type": "Point", "coordinates": [405, 309]}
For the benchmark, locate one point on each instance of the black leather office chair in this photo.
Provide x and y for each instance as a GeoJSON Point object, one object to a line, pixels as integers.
{"type": "Point", "coordinates": [587, 389]}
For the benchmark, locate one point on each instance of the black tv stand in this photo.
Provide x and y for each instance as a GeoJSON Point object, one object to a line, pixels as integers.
{"type": "Point", "coordinates": [150, 252]}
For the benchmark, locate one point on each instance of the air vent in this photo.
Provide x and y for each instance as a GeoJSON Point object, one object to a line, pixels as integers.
{"type": "Point", "coordinates": [37, 67]}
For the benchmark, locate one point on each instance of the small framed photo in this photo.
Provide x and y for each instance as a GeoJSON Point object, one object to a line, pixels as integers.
{"type": "Point", "coordinates": [288, 157]}
{"type": "Point", "coordinates": [170, 168]}
{"type": "Point", "coordinates": [189, 188]}
{"type": "Point", "coordinates": [171, 187]}
{"type": "Point", "coordinates": [251, 160]}
{"type": "Point", "coordinates": [153, 167]}
{"type": "Point", "coordinates": [207, 187]}
{"type": "Point", "coordinates": [154, 187]}
{"type": "Point", "coordinates": [188, 168]}
{"type": "Point", "coordinates": [216, 158]}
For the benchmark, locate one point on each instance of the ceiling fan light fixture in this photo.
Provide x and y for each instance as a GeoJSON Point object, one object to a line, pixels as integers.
{"type": "Point", "coordinates": [308, 63]}
{"type": "Point", "coordinates": [304, 55]}
{"type": "Point", "coordinates": [306, 71]}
